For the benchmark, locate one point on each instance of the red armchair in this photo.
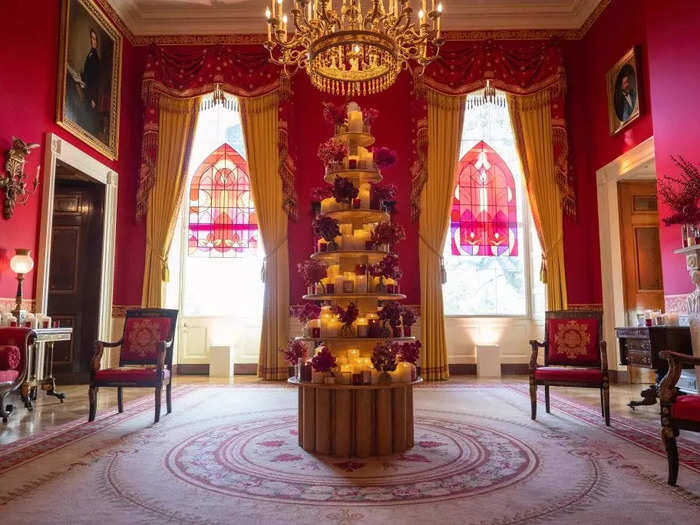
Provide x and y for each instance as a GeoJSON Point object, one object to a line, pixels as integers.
{"type": "Point", "coordinates": [678, 411]}
{"type": "Point", "coordinates": [145, 358]}
{"type": "Point", "coordinates": [574, 355]}
{"type": "Point", "coordinates": [15, 344]}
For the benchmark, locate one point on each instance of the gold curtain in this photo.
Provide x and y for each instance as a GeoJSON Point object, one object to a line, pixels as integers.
{"type": "Point", "coordinates": [259, 116]}
{"type": "Point", "coordinates": [445, 117]}
{"type": "Point", "coordinates": [531, 119]}
{"type": "Point", "coordinates": [178, 119]}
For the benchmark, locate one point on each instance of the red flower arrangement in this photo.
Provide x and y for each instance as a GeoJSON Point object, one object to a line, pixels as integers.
{"type": "Point", "coordinates": [382, 193]}
{"type": "Point", "coordinates": [346, 316]}
{"type": "Point", "coordinates": [308, 312]}
{"type": "Point", "coordinates": [295, 351]}
{"type": "Point", "coordinates": [408, 317]}
{"type": "Point", "coordinates": [323, 361]}
{"type": "Point", "coordinates": [344, 190]}
{"type": "Point", "coordinates": [369, 115]}
{"type": "Point", "coordinates": [408, 352]}
{"type": "Point", "coordinates": [332, 151]}
{"type": "Point", "coordinates": [326, 227]}
{"type": "Point", "coordinates": [387, 233]}
{"type": "Point", "coordinates": [684, 200]}
{"type": "Point", "coordinates": [312, 271]}
{"type": "Point", "coordinates": [321, 192]}
{"type": "Point", "coordinates": [384, 357]}
{"type": "Point", "coordinates": [388, 267]}
{"type": "Point", "coordinates": [333, 114]}
{"type": "Point", "coordinates": [391, 312]}
{"type": "Point", "coordinates": [384, 157]}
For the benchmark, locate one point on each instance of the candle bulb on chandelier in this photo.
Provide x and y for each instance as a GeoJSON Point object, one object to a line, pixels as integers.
{"type": "Point", "coordinates": [269, 25]}
{"type": "Point", "coordinates": [439, 18]}
{"type": "Point", "coordinates": [284, 27]}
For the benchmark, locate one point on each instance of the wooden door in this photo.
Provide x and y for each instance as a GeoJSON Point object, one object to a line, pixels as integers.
{"type": "Point", "coordinates": [641, 251]}
{"type": "Point", "coordinates": [75, 273]}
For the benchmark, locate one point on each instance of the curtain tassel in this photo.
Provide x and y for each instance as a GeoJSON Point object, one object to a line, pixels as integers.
{"type": "Point", "coordinates": [543, 270]}
{"type": "Point", "coordinates": [165, 270]}
{"type": "Point", "coordinates": [443, 271]}
{"type": "Point", "coordinates": [262, 269]}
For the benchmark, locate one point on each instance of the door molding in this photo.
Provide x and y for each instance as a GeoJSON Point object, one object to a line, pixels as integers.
{"type": "Point", "coordinates": [57, 149]}
{"type": "Point", "coordinates": [635, 164]}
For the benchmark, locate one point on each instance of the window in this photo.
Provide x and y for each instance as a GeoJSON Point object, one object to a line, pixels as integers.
{"type": "Point", "coordinates": [490, 253]}
{"type": "Point", "coordinates": [222, 220]}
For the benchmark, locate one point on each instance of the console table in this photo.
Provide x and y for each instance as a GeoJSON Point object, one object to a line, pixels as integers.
{"type": "Point", "coordinates": [40, 371]}
{"type": "Point", "coordinates": [640, 347]}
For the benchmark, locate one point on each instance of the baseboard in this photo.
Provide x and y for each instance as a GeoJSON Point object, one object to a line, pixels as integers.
{"type": "Point", "coordinates": [507, 369]}
{"type": "Point", "coordinates": [239, 369]}
{"type": "Point", "coordinates": [515, 369]}
{"type": "Point", "coordinates": [462, 369]}
{"type": "Point", "coordinates": [619, 376]}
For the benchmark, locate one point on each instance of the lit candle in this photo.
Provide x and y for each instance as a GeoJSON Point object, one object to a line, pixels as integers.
{"type": "Point", "coordinates": [404, 372]}
{"type": "Point", "coordinates": [362, 326]}
{"type": "Point", "coordinates": [355, 121]}
{"type": "Point", "coordinates": [315, 328]}
{"type": "Point", "coordinates": [327, 205]}
{"type": "Point", "coordinates": [321, 245]}
{"type": "Point", "coordinates": [348, 282]}
{"type": "Point", "coordinates": [333, 270]}
{"type": "Point", "coordinates": [353, 355]}
{"type": "Point", "coordinates": [334, 327]}
{"type": "Point", "coordinates": [364, 195]}
{"type": "Point", "coordinates": [269, 26]}
{"type": "Point", "coordinates": [338, 282]}
{"type": "Point", "coordinates": [325, 318]}
{"type": "Point", "coordinates": [439, 18]}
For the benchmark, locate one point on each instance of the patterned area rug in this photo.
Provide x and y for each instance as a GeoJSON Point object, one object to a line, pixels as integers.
{"type": "Point", "coordinates": [230, 455]}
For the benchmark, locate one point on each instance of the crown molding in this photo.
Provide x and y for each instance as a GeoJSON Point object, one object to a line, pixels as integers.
{"type": "Point", "coordinates": [169, 22]}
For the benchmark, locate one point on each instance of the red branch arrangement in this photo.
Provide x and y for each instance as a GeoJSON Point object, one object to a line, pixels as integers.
{"type": "Point", "coordinates": [391, 312]}
{"type": "Point", "coordinates": [681, 193]}
{"type": "Point", "coordinates": [384, 157]}
{"type": "Point", "coordinates": [312, 271]}
{"type": "Point", "coordinates": [344, 190]}
{"type": "Point", "coordinates": [333, 114]}
{"type": "Point", "coordinates": [369, 115]}
{"type": "Point", "coordinates": [320, 193]}
{"type": "Point", "coordinates": [382, 193]}
{"type": "Point", "coordinates": [388, 267]}
{"type": "Point", "coordinates": [295, 351]}
{"type": "Point", "coordinates": [348, 315]}
{"type": "Point", "coordinates": [308, 312]}
{"type": "Point", "coordinates": [387, 233]}
{"type": "Point", "coordinates": [408, 352]}
{"type": "Point", "coordinates": [408, 317]}
{"type": "Point", "coordinates": [332, 151]}
{"type": "Point", "coordinates": [323, 361]}
{"type": "Point", "coordinates": [384, 357]}
{"type": "Point", "coordinates": [326, 227]}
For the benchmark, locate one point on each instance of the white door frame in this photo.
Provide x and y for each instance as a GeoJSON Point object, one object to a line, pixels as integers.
{"type": "Point", "coordinates": [57, 149]}
{"type": "Point", "coordinates": [635, 164]}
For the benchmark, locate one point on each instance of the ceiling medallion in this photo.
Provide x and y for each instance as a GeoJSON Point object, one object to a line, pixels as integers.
{"type": "Point", "coordinates": [347, 51]}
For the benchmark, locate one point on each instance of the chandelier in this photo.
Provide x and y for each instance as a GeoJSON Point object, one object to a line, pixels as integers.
{"type": "Point", "coordinates": [348, 51]}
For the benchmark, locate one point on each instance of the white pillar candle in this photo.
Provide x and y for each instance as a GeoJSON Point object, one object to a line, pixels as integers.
{"type": "Point", "coordinates": [326, 318]}
{"type": "Point", "coordinates": [362, 325]}
{"type": "Point", "coordinates": [338, 283]}
{"type": "Point", "coordinates": [353, 354]}
{"type": "Point", "coordinates": [345, 229]}
{"type": "Point", "coordinates": [361, 283]}
{"type": "Point", "coordinates": [374, 376]}
{"type": "Point", "coordinates": [364, 195]}
{"type": "Point", "coordinates": [355, 121]}
{"type": "Point", "coordinates": [404, 372]}
{"type": "Point", "coordinates": [317, 377]}
{"type": "Point", "coordinates": [347, 242]}
{"type": "Point", "coordinates": [334, 328]}
{"type": "Point", "coordinates": [327, 205]}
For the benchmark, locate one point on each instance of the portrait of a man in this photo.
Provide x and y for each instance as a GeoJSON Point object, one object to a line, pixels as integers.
{"type": "Point", "coordinates": [623, 92]}
{"type": "Point", "coordinates": [90, 68]}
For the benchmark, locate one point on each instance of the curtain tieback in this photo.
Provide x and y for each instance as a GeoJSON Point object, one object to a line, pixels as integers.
{"type": "Point", "coordinates": [273, 252]}
{"type": "Point", "coordinates": [165, 270]}
{"type": "Point", "coordinates": [545, 251]}
{"type": "Point", "coordinates": [443, 272]}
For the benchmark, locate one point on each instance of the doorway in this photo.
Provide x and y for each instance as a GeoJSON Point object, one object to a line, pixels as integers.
{"type": "Point", "coordinates": [75, 269]}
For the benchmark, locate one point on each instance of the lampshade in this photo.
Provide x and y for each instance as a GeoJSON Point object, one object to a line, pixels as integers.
{"type": "Point", "coordinates": [21, 262]}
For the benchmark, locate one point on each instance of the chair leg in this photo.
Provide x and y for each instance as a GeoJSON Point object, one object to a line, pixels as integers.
{"type": "Point", "coordinates": [4, 414]}
{"type": "Point", "coordinates": [169, 397]}
{"type": "Point", "coordinates": [602, 403]}
{"type": "Point", "coordinates": [533, 398]}
{"type": "Point", "coordinates": [92, 395]}
{"type": "Point", "coordinates": [606, 403]}
{"type": "Point", "coordinates": [120, 399]}
{"type": "Point", "coordinates": [669, 438]}
{"type": "Point", "coordinates": [158, 401]}
{"type": "Point", "coordinates": [546, 398]}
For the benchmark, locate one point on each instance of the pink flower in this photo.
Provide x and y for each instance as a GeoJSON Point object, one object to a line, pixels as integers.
{"type": "Point", "coordinates": [332, 151]}
{"type": "Point", "coordinates": [312, 271]}
{"type": "Point", "coordinates": [386, 233]}
{"type": "Point", "coordinates": [295, 351]}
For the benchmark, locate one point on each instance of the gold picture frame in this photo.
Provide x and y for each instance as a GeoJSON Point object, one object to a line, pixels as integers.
{"type": "Point", "coordinates": [89, 76]}
{"type": "Point", "coordinates": [624, 92]}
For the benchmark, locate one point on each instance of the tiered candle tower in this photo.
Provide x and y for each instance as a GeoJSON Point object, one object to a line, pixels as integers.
{"type": "Point", "coordinates": [361, 271]}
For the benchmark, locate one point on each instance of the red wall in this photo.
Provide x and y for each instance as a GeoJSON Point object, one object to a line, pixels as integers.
{"type": "Point", "coordinates": [674, 43]}
{"type": "Point", "coordinates": [392, 129]}
{"type": "Point", "coordinates": [29, 58]}
{"type": "Point", "coordinates": [587, 62]}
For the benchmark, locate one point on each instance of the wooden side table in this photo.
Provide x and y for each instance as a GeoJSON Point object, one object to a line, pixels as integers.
{"type": "Point", "coordinates": [36, 379]}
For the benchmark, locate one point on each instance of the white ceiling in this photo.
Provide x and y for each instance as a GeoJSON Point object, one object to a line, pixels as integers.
{"type": "Point", "coordinates": [217, 17]}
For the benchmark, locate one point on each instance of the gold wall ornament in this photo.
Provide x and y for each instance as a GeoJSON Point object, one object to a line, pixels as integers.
{"type": "Point", "coordinates": [348, 51]}
{"type": "Point", "coordinates": [14, 180]}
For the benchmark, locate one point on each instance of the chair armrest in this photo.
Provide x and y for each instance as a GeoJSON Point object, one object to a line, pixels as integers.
{"type": "Point", "coordinates": [667, 387]}
{"type": "Point", "coordinates": [535, 346]}
{"type": "Point", "coordinates": [97, 353]}
{"type": "Point", "coordinates": [603, 356]}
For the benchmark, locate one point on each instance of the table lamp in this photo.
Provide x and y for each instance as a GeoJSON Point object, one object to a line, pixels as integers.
{"type": "Point", "coordinates": [21, 263]}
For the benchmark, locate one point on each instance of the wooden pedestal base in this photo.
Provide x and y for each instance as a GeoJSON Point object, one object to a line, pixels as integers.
{"type": "Point", "coordinates": [358, 421]}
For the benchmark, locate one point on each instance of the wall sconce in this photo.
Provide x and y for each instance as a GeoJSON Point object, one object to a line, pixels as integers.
{"type": "Point", "coordinates": [14, 180]}
{"type": "Point", "coordinates": [21, 263]}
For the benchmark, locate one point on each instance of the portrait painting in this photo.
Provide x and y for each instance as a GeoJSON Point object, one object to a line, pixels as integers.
{"type": "Point", "coordinates": [623, 92]}
{"type": "Point", "coordinates": [89, 76]}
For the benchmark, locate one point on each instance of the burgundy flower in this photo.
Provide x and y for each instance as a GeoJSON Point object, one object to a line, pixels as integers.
{"type": "Point", "coordinates": [382, 193]}
{"type": "Point", "coordinates": [391, 313]}
{"type": "Point", "coordinates": [384, 157]}
{"type": "Point", "coordinates": [409, 352]}
{"type": "Point", "coordinates": [321, 192]}
{"type": "Point", "coordinates": [312, 271]}
{"type": "Point", "coordinates": [408, 317]}
{"type": "Point", "coordinates": [323, 361]}
{"type": "Point", "coordinates": [326, 227]}
{"type": "Point", "coordinates": [308, 312]}
{"type": "Point", "coordinates": [682, 193]}
{"type": "Point", "coordinates": [333, 114]}
{"type": "Point", "coordinates": [344, 190]}
{"type": "Point", "coordinates": [346, 316]}
{"type": "Point", "coordinates": [388, 267]}
{"type": "Point", "coordinates": [294, 352]}
{"type": "Point", "coordinates": [384, 357]}
{"type": "Point", "coordinates": [387, 233]}
{"type": "Point", "coordinates": [332, 150]}
{"type": "Point", "coordinates": [369, 115]}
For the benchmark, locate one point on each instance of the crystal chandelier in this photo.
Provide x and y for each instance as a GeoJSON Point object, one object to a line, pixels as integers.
{"type": "Point", "coordinates": [348, 51]}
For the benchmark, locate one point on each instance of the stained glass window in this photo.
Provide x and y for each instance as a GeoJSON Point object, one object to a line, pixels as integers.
{"type": "Point", "coordinates": [222, 219]}
{"type": "Point", "coordinates": [484, 219]}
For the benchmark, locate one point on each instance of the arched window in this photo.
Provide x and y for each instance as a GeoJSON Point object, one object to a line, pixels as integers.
{"type": "Point", "coordinates": [484, 220]}
{"type": "Point", "coordinates": [222, 220]}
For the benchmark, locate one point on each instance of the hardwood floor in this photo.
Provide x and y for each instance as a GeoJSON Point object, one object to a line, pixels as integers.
{"type": "Point", "coordinates": [48, 411]}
